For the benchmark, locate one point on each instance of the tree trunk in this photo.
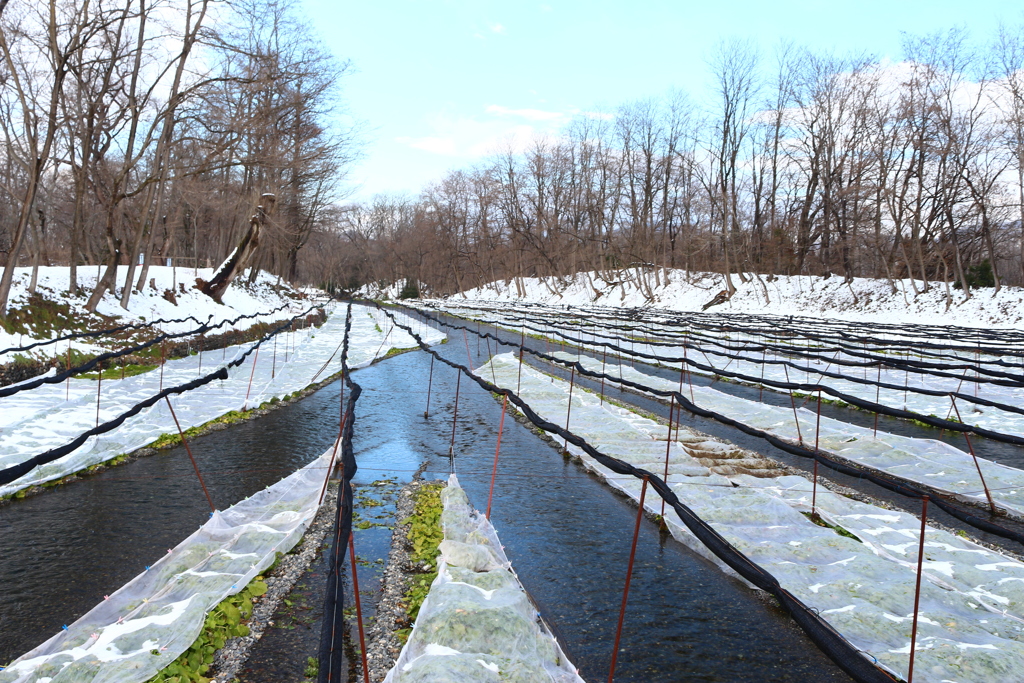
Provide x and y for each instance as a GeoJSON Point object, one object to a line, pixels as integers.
{"type": "Point", "coordinates": [109, 275]}
{"type": "Point", "coordinates": [241, 256]}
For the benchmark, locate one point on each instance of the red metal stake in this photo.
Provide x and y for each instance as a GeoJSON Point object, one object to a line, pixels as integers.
{"type": "Point", "coordinates": [906, 375]}
{"type": "Point", "coordinates": [455, 417]}
{"type": "Point", "coordinates": [668, 446]}
{"type": "Point", "coordinates": [430, 382]}
{"type": "Point", "coordinates": [99, 383]}
{"type": "Point", "coordinates": [817, 430]}
{"type": "Point", "coordinates": [977, 465]}
{"type": "Point", "coordinates": [917, 590]}
{"type": "Point", "coordinates": [878, 388]}
{"type": "Point", "coordinates": [792, 402]}
{"type": "Point", "coordinates": [359, 608]}
{"type": "Point", "coordinates": [629, 577]}
{"type": "Point", "coordinates": [522, 340]}
{"type": "Point", "coordinates": [568, 408]}
{"type": "Point", "coordinates": [760, 391]}
{"type": "Point", "coordinates": [189, 451]}
{"type": "Point", "coordinates": [689, 377]}
{"type": "Point", "coordinates": [497, 449]}
{"type": "Point", "coordinates": [604, 358]}
{"type": "Point", "coordinates": [254, 359]}
{"type": "Point", "coordinates": [469, 359]}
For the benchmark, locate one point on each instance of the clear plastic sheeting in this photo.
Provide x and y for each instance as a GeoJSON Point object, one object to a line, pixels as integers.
{"type": "Point", "coordinates": [927, 461]}
{"type": "Point", "coordinates": [156, 616]}
{"type": "Point", "coordinates": [476, 623]}
{"type": "Point", "coordinates": [971, 619]}
{"type": "Point", "coordinates": [37, 420]}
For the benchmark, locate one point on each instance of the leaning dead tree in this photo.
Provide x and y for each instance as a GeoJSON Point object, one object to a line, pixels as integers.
{"type": "Point", "coordinates": [240, 258]}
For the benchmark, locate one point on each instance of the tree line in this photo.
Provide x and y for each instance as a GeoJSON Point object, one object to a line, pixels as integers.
{"type": "Point", "coordinates": [136, 131]}
{"type": "Point", "coordinates": [794, 162]}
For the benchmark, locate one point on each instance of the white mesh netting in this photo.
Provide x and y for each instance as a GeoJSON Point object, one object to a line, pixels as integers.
{"type": "Point", "coordinates": [477, 624]}
{"type": "Point", "coordinates": [37, 420]}
{"type": "Point", "coordinates": [982, 416]}
{"type": "Point", "coordinates": [156, 616]}
{"type": "Point", "coordinates": [928, 461]}
{"type": "Point", "coordinates": [972, 602]}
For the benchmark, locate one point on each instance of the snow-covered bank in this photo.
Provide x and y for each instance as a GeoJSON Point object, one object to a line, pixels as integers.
{"type": "Point", "coordinates": [152, 303]}
{"type": "Point", "coordinates": [864, 299]}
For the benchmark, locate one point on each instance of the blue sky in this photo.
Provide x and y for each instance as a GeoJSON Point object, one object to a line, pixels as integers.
{"type": "Point", "coordinates": [445, 83]}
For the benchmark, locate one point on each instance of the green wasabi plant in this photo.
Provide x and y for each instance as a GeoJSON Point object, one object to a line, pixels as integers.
{"type": "Point", "coordinates": [226, 620]}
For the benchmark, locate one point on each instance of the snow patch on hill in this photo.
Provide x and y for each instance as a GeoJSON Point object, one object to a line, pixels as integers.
{"type": "Point", "coordinates": [863, 299]}
{"type": "Point", "coordinates": [265, 294]}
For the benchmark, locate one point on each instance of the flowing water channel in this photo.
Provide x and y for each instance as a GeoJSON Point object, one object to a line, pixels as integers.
{"type": "Point", "coordinates": [566, 533]}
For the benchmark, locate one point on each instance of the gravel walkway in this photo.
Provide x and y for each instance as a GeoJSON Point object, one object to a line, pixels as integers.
{"type": "Point", "coordinates": [383, 645]}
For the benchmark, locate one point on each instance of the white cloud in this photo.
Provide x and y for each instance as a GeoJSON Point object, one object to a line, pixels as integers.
{"type": "Point", "coordinates": [435, 145]}
{"type": "Point", "coordinates": [472, 138]}
{"type": "Point", "coordinates": [517, 138]}
{"type": "Point", "coordinates": [597, 115]}
{"type": "Point", "coordinates": [529, 114]}
{"type": "Point", "coordinates": [497, 28]}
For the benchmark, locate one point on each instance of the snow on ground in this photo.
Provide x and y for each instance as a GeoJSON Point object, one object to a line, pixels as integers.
{"type": "Point", "coordinates": [52, 415]}
{"type": "Point", "coordinates": [864, 299]}
{"type": "Point", "coordinates": [240, 299]}
{"type": "Point", "coordinates": [387, 292]}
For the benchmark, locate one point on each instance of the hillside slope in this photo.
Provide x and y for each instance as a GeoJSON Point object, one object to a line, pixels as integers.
{"type": "Point", "coordinates": [864, 299]}
{"type": "Point", "coordinates": [52, 311]}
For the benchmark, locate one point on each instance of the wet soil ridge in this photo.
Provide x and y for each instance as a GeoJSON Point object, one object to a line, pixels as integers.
{"type": "Point", "coordinates": [392, 614]}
